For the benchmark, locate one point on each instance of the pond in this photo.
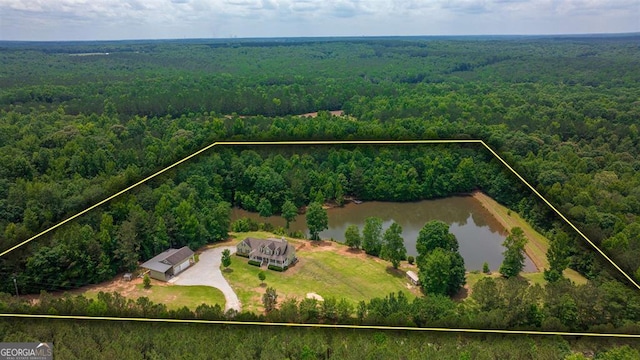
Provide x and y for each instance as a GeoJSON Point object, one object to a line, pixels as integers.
{"type": "Point", "coordinates": [478, 232]}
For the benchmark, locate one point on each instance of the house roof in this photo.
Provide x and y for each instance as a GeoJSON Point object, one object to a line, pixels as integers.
{"type": "Point", "coordinates": [168, 258]}
{"type": "Point", "coordinates": [273, 244]}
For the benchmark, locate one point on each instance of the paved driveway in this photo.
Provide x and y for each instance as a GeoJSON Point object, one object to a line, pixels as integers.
{"type": "Point", "coordinates": [207, 272]}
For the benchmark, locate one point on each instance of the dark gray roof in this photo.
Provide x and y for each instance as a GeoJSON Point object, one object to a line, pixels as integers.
{"type": "Point", "coordinates": [166, 259]}
{"type": "Point", "coordinates": [178, 256]}
{"type": "Point", "coordinates": [255, 244]}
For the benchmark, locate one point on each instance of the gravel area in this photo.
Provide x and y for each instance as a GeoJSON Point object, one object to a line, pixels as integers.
{"type": "Point", "coordinates": [207, 272]}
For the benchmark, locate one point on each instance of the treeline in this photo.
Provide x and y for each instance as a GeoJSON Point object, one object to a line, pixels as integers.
{"type": "Point", "coordinates": [495, 303]}
{"type": "Point", "coordinates": [569, 130]}
{"type": "Point", "coordinates": [134, 340]}
{"type": "Point", "coordinates": [192, 206]}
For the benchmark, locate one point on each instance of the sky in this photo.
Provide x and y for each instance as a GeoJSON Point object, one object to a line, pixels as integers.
{"type": "Point", "coordinates": [47, 20]}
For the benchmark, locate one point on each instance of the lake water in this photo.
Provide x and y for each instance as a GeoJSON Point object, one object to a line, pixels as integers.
{"type": "Point", "coordinates": [480, 235]}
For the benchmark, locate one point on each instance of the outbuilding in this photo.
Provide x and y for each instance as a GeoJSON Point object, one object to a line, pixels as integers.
{"type": "Point", "coordinates": [169, 263]}
{"type": "Point", "coordinates": [413, 277]}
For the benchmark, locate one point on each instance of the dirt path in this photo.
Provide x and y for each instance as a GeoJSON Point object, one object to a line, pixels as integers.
{"type": "Point", "coordinates": [537, 245]}
{"type": "Point", "coordinates": [315, 114]}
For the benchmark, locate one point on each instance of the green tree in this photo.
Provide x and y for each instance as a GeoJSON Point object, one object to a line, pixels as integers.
{"type": "Point", "coordinates": [435, 234]}
{"type": "Point", "coordinates": [514, 257]}
{"type": "Point", "coordinates": [339, 194]}
{"type": "Point", "coordinates": [264, 208]}
{"type": "Point", "coordinates": [486, 295]}
{"type": "Point", "coordinates": [558, 256]}
{"type": "Point", "coordinates": [393, 248]}
{"type": "Point", "coordinates": [620, 353]}
{"type": "Point", "coordinates": [269, 299]}
{"type": "Point", "coordinates": [372, 236]}
{"type": "Point", "coordinates": [317, 220]}
{"type": "Point", "coordinates": [262, 276]}
{"type": "Point", "coordinates": [440, 265]}
{"type": "Point", "coordinates": [188, 226]}
{"type": "Point", "coordinates": [457, 273]}
{"type": "Point", "coordinates": [289, 212]}
{"type": "Point", "coordinates": [485, 268]}
{"type": "Point", "coordinates": [352, 236]}
{"type": "Point", "coordinates": [146, 281]}
{"type": "Point", "coordinates": [226, 258]}
{"type": "Point", "coordinates": [128, 246]}
{"type": "Point", "coordinates": [435, 272]}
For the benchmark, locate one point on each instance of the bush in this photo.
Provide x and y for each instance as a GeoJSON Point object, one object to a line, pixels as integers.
{"type": "Point", "coordinates": [277, 268]}
{"type": "Point", "coordinates": [280, 231]}
{"type": "Point", "coordinates": [146, 281]}
{"type": "Point", "coordinates": [254, 262]}
{"type": "Point", "coordinates": [240, 225]}
{"type": "Point", "coordinates": [244, 225]}
{"type": "Point", "coordinates": [485, 268]}
{"type": "Point", "coordinates": [297, 234]}
{"type": "Point", "coordinates": [411, 259]}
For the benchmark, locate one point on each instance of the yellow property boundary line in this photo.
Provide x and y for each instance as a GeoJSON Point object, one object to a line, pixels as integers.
{"type": "Point", "coordinates": [336, 326]}
{"type": "Point", "coordinates": [326, 142]}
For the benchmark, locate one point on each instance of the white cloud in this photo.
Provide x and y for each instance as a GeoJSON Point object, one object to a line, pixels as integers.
{"type": "Point", "coordinates": [104, 19]}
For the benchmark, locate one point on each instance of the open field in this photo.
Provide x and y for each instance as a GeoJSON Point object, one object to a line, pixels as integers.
{"type": "Point", "coordinates": [326, 268]}
{"type": "Point", "coordinates": [174, 296]}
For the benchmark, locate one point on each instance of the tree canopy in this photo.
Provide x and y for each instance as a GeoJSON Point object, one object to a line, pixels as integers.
{"type": "Point", "coordinates": [514, 256]}
{"type": "Point", "coordinates": [317, 220]}
{"type": "Point", "coordinates": [372, 236]}
{"type": "Point", "coordinates": [393, 248]}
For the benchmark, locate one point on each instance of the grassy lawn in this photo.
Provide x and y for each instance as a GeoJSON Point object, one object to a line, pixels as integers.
{"type": "Point", "coordinates": [174, 296]}
{"type": "Point", "coordinates": [574, 276]}
{"type": "Point", "coordinates": [328, 271]}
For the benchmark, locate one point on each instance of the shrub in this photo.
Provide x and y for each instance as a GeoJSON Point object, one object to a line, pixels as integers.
{"type": "Point", "coordinates": [485, 268]}
{"type": "Point", "coordinates": [146, 281]}
{"type": "Point", "coordinates": [277, 268]}
{"type": "Point", "coordinates": [254, 262]}
{"type": "Point", "coordinates": [244, 225]}
{"type": "Point", "coordinates": [411, 259]}
{"type": "Point", "coordinates": [240, 225]}
{"type": "Point", "coordinates": [297, 234]}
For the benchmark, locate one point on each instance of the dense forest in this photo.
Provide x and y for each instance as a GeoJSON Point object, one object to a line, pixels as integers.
{"type": "Point", "coordinates": [76, 128]}
{"type": "Point", "coordinates": [129, 340]}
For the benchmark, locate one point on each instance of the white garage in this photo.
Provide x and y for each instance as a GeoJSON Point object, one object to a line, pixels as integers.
{"type": "Point", "coordinates": [169, 263]}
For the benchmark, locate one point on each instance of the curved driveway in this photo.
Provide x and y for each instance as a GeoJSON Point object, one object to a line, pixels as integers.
{"type": "Point", "coordinates": [207, 272]}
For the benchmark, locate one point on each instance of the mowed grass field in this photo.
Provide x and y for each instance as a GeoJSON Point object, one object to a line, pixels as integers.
{"type": "Point", "coordinates": [174, 296]}
{"type": "Point", "coordinates": [328, 269]}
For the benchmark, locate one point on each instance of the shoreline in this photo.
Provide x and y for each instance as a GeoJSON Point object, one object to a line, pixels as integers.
{"type": "Point", "coordinates": [537, 246]}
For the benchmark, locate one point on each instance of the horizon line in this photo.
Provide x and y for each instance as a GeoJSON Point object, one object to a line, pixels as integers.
{"type": "Point", "coordinates": [343, 37]}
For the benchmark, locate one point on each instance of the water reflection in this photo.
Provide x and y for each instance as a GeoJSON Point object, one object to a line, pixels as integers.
{"type": "Point", "coordinates": [480, 235]}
